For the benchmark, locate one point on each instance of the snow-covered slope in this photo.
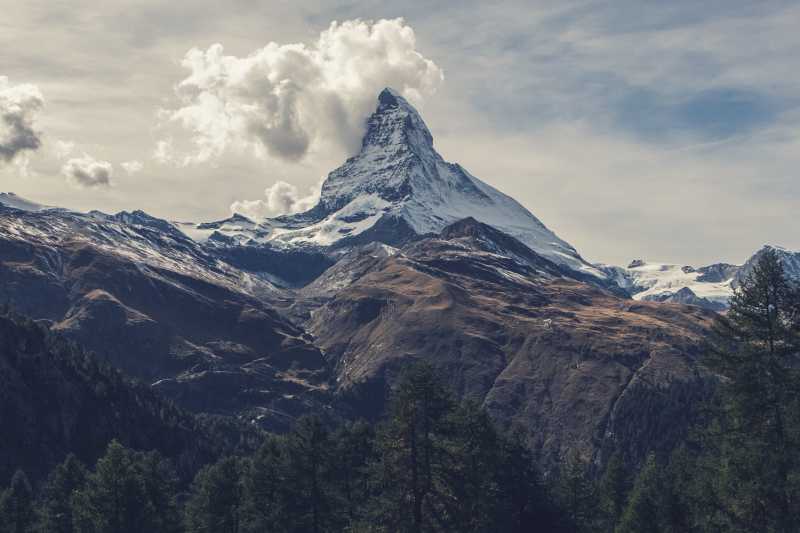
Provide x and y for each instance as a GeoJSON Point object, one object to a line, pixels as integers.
{"type": "Point", "coordinates": [9, 199]}
{"type": "Point", "coordinates": [790, 260]}
{"type": "Point", "coordinates": [148, 241]}
{"type": "Point", "coordinates": [398, 187]}
{"type": "Point", "coordinates": [710, 286]}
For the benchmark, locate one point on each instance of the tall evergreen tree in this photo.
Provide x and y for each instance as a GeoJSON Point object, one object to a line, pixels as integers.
{"type": "Point", "coordinates": [265, 489]}
{"type": "Point", "coordinates": [686, 498]}
{"type": "Point", "coordinates": [115, 498]}
{"type": "Point", "coordinates": [613, 491]}
{"type": "Point", "coordinates": [56, 503]}
{"type": "Point", "coordinates": [757, 354]}
{"type": "Point", "coordinates": [577, 495]}
{"type": "Point", "coordinates": [642, 513]}
{"type": "Point", "coordinates": [475, 458]}
{"type": "Point", "coordinates": [525, 503]}
{"type": "Point", "coordinates": [353, 447]}
{"type": "Point", "coordinates": [216, 499]}
{"type": "Point", "coordinates": [411, 453]}
{"type": "Point", "coordinates": [16, 506]}
{"type": "Point", "coordinates": [309, 466]}
{"type": "Point", "coordinates": [160, 486]}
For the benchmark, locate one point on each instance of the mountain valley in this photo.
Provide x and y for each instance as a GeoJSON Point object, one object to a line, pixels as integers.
{"type": "Point", "coordinates": [406, 257]}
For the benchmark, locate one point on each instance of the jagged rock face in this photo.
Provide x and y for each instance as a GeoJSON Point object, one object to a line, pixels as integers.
{"type": "Point", "coordinates": [789, 259]}
{"type": "Point", "coordinates": [138, 292]}
{"type": "Point", "coordinates": [565, 360]}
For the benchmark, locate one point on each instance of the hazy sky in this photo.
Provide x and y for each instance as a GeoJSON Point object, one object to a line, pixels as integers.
{"type": "Point", "coordinates": [663, 130]}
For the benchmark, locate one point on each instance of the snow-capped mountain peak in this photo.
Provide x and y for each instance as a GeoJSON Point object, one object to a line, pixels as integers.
{"type": "Point", "coordinates": [398, 187]}
{"type": "Point", "coordinates": [397, 124]}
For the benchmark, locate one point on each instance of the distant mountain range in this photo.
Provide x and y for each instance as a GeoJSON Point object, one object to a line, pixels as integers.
{"type": "Point", "coordinates": [405, 257]}
{"type": "Point", "coordinates": [710, 286]}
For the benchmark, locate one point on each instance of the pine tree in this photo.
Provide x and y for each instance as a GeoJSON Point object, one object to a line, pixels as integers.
{"type": "Point", "coordinates": [577, 494]}
{"type": "Point", "coordinates": [308, 461]}
{"type": "Point", "coordinates": [353, 446]}
{"type": "Point", "coordinates": [265, 489]}
{"type": "Point", "coordinates": [216, 499]}
{"type": "Point", "coordinates": [757, 355]}
{"type": "Point", "coordinates": [642, 513]}
{"type": "Point", "coordinates": [16, 506]}
{"type": "Point", "coordinates": [472, 472]}
{"type": "Point", "coordinates": [160, 486]}
{"type": "Point", "coordinates": [55, 508]}
{"type": "Point", "coordinates": [613, 491]}
{"type": "Point", "coordinates": [115, 498]}
{"type": "Point", "coordinates": [411, 453]}
{"type": "Point", "coordinates": [686, 500]}
{"type": "Point", "coordinates": [524, 503]}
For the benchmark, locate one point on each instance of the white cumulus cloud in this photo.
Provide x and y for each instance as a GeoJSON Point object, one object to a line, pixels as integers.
{"type": "Point", "coordinates": [132, 167]}
{"type": "Point", "coordinates": [19, 107]}
{"type": "Point", "coordinates": [63, 148]}
{"type": "Point", "coordinates": [280, 199]}
{"type": "Point", "coordinates": [283, 98]}
{"type": "Point", "coordinates": [87, 172]}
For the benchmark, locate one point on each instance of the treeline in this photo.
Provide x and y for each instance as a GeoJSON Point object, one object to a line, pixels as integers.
{"type": "Point", "coordinates": [433, 465]}
{"type": "Point", "coordinates": [436, 465]}
{"type": "Point", "coordinates": [55, 399]}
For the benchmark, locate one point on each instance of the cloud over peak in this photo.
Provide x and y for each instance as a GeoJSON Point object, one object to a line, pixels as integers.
{"type": "Point", "coordinates": [283, 98]}
{"type": "Point", "coordinates": [19, 106]}
{"type": "Point", "coordinates": [280, 199]}
{"type": "Point", "coordinates": [87, 172]}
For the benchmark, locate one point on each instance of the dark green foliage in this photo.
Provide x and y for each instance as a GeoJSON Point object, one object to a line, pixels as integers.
{"type": "Point", "coordinates": [56, 501]}
{"type": "Point", "coordinates": [16, 506]}
{"type": "Point", "coordinates": [524, 503]}
{"type": "Point", "coordinates": [412, 454]}
{"type": "Point", "coordinates": [265, 506]}
{"type": "Point", "coordinates": [755, 438]}
{"type": "Point", "coordinates": [309, 476]}
{"type": "Point", "coordinates": [216, 500]}
{"type": "Point", "coordinates": [577, 495]}
{"type": "Point", "coordinates": [353, 452]}
{"type": "Point", "coordinates": [126, 493]}
{"type": "Point", "coordinates": [56, 399]}
{"type": "Point", "coordinates": [432, 466]}
{"type": "Point", "coordinates": [641, 514]}
{"type": "Point", "coordinates": [613, 491]}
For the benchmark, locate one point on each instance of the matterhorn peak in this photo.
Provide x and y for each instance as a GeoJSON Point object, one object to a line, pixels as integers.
{"type": "Point", "coordinates": [396, 125]}
{"type": "Point", "coordinates": [398, 188]}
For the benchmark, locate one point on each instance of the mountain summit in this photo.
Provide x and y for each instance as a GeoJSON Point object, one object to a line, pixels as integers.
{"type": "Point", "coordinates": [398, 187]}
